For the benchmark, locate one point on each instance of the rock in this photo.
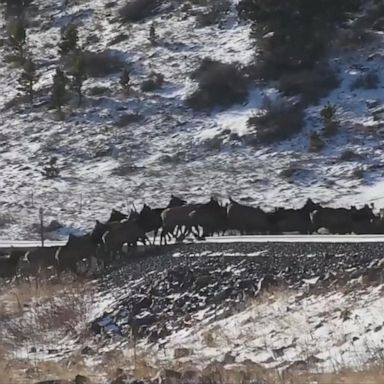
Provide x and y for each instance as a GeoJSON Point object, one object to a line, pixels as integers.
{"type": "Point", "coordinates": [120, 377]}
{"type": "Point", "coordinates": [229, 358]}
{"type": "Point", "coordinates": [144, 319]}
{"type": "Point", "coordinates": [80, 379]}
{"type": "Point", "coordinates": [299, 365]}
{"type": "Point", "coordinates": [169, 376]}
{"type": "Point", "coordinates": [182, 352]}
{"type": "Point", "coordinates": [191, 376]}
{"type": "Point", "coordinates": [203, 281]}
{"type": "Point", "coordinates": [87, 351]}
{"type": "Point", "coordinates": [221, 296]}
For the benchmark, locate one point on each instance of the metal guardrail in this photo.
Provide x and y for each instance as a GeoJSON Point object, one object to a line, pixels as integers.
{"type": "Point", "coordinates": [27, 244]}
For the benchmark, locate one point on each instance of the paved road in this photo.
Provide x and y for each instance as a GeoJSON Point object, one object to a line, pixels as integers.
{"type": "Point", "coordinates": [6, 244]}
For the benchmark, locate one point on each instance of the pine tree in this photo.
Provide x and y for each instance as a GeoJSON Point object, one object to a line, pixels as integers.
{"type": "Point", "coordinates": [79, 75]}
{"type": "Point", "coordinates": [28, 79]}
{"type": "Point", "coordinates": [69, 39]}
{"type": "Point", "coordinates": [125, 79]}
{"type": "Point", "coordinates": [152, 34]}
{"type": "Point", "coordinates": [59, 89]}
{"type": "Point", "coordinates": [17, 35]}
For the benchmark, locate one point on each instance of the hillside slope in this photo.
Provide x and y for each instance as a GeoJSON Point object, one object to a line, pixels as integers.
{"type": "Point", "coordinates": [107, 161]}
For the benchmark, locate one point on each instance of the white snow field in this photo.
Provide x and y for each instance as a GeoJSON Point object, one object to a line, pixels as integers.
{"type": "Point", "coordinates": [172, 149]}
{"type": "Point", "coordinates": [325, 333]}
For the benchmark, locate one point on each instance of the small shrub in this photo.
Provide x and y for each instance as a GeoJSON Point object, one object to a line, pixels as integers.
{"type": "Point", "coordinates": [289, 172]}
{"type": "Point", "coordinates": [215, 12]}
{"type": "Point", "coordinates": [28, 79]}
{"type": "Point", "coordinates": [155, 81]}
{"type": "Point", "coordinates": [14, 58]}
{"type": "Point", "coordinates": [137, 10]}
{"type": "Point", "coordinates": [59, 89]}
{"type": "Point", "coordinates": [97, 64]}
{"type": "Point", "coordinates": [315, 142]}
{"type": "Point", "coordinates": [310, 84]}
{"type": "Point", "coordinates": [358, 173]}
{"type": "Point", "coordinates": [328, 115]}
{"type": "Point", "coordinates": [128, 118]}
{"type": "Point", "coordinates": [17, 35]}
{"type": "Point", "coordinates": [220, 84]}
{"type": "Point", "coordinates": [98, 91]}
{"type": "Point", "coordinates": [51, 170]}
{"type": "Point", "coordinates": [125, 79]}
{"type": "Point", "coordinates": [78, 77]}
{"type": "Point", "coordinates": [69, 39]}
{"type": "Point", "coordinates": [349, 155]}
{"type": "Point", "coordinates": [370, 80]}
{"type": "Point", "coordinates": [278, 121]}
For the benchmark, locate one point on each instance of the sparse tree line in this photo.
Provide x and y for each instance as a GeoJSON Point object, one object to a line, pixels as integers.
{"type": "Point", "coordinates": [69, 76]}
{"type": "Point", "coordinates": [293, 39]}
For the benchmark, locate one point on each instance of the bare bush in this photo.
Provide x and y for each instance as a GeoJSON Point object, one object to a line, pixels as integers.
{"type": "Point", "coordinates": [278, 120]}
{"type": "Point", "coordinates": [46, 315]}
{"type": "Point", "coordinates": [137, 10]}
{"type": "Point", "coordinates": [220, 84]}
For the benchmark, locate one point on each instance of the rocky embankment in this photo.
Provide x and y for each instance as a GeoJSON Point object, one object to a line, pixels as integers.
{"type": "Point", "coordinates": [165, 292]}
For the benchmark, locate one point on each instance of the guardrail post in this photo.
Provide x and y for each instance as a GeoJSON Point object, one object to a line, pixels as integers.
{"type": "Point", "coordinates": [41, 216]}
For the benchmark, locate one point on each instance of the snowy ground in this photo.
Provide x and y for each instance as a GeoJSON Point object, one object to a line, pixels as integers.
{"type": "Point", "coordinates": [324, 315]}
{"type": "Point", "coordinates": [173, 149]}
{"type": "Point", "coordinates": [325, 333]}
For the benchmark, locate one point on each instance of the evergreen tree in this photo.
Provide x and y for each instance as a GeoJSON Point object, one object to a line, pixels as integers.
{"type": "Point", "coordinates": [15, 8]}
{"type": "Point", "coordinates": [69, 39]}
{"type": "Point", "coordinates": [293, 35]}
{"type": "Point", "coordinates": [59, 89]}
{"type": "Point", "coordinates": [17, 35]}
{"type": "Point", "coordinates": [125, 79]}
{"type": "Point", "coordinates": [28, 79]}
{"type": "Point", "coordinates": [79, 75]}
{"type": "Point", "coordinates": [152, 34]}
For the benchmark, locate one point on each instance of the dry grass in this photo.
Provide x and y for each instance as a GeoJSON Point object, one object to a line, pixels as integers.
{"type": "Point", "coordinates": [18, 296]}
{"type": "Point", "coordinates": [374, 375]}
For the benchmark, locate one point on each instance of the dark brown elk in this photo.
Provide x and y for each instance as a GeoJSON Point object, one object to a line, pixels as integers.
{"type": "Point", "coordinates": [118, 234]}
{"type": "Point", "coordinates": [40, 259]}
{"type": "Point", "coordinates": [342, 220]}
{"type": "Point", "coordinates": [247, 220]}
{"type": "Point", "coordinates": [9, 263]}
{"type": "Point", "coordinates": [211, 217]}
{"type": "Point", "coordinates": [77, 249]}
{"type": "Point", "coordinates": [293, 220]}
{"type": "Point", "coordinates": [150, 219]}
{"type": "Point", "coordinates": [117, 216]}
{"type": "Point", "coordinates": [178, 218]}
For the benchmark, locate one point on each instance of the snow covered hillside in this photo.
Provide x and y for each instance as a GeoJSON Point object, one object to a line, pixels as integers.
{"type": "Point", "coordinates": [121, 149]}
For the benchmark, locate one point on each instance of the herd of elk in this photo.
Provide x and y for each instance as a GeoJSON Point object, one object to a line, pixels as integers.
{"type": "Point", "coordinates": [178, 220]}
